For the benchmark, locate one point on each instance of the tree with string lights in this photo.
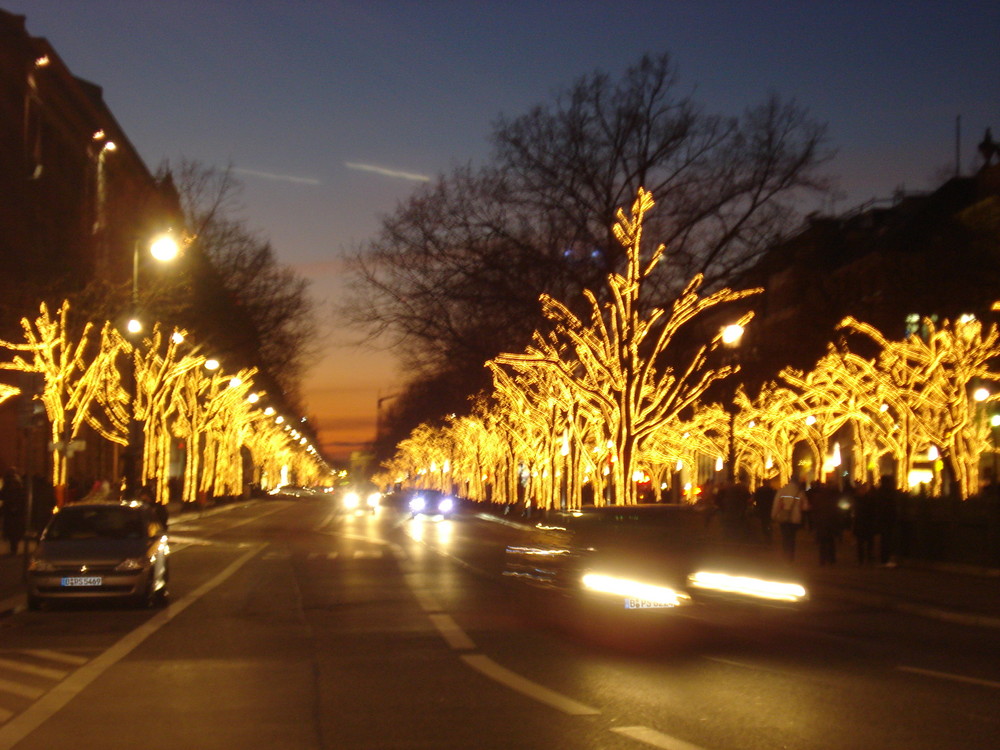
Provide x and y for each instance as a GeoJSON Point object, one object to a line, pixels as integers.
{"type": "Point", "coordinates": [615, 362]}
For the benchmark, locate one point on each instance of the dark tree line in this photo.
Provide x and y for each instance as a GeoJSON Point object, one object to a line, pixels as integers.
{"type": "Point", "coordinates": [250, 307]}
{"type": "Point", "coordinates": [455, 274]}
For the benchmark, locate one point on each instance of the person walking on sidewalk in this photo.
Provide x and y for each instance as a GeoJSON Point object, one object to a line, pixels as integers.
{"type": "Point", "coordinates": [885, 498]}
{"type": "Point", "coordinates": [864, 524]}
{"type": "Point", "coordinates": [789, 504]}
{"type": "Point", "coordinates": [15, 508]}
{"type": "Point", "coordinates": [825, 520]}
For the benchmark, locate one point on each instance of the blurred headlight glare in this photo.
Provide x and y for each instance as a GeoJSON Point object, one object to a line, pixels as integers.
{"type": "Point", "coordinates": [747, 586]}
{"type": "Point", "coordinates": [633, 589]}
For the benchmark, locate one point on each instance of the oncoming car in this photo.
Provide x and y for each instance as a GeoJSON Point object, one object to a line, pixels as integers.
{"type": "Point", "coordinates": [116, 551]}
{"type": "Point", "coordinates": [352, 502]}
{"type": "Point", "coordinates": [430, 503]}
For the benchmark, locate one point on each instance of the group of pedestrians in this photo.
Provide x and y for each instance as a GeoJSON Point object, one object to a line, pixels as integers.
{"type": "Point", "coordinates": [828, 511]}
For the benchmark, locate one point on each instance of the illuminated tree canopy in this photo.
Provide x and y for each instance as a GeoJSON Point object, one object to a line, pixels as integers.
{"type": "Point", "coordinates": [600, 406]}
{"type": "Point", "coordinates": [100, 380]}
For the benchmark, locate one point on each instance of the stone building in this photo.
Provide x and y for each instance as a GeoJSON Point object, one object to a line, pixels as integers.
{"type": "Point", "coordinates": [75, 198]}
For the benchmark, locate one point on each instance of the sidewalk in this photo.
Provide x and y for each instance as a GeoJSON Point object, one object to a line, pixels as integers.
{"type": "Point", "coordinates": [947, 592]}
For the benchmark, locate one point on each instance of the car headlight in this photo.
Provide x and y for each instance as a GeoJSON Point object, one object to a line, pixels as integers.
{"type": "Point", "coordinates": [38, 565]}
{"type": "Point", "coordinates": [417, 503]}
{"type": "Point", "coordinates": [447, 505]}
{"type": "Point", "coordinates": [131, 564]}
{"type": "Point", "coordinates": [373, 499]}
{"type": "Point", "coordinates": [351, 500]}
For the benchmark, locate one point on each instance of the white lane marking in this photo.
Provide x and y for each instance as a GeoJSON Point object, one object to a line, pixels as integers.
{"type": "Point", "coordinates": [44, 653]}
{"type": "Point", "coordinates": [17, 688]}
{"type": "Point", "coordinates": [322, 556]}
{"type": "Point", "coordinates": [486, 666]}
{"type": "Point", "coordinates": [452, 633]}
{"type": "Point", "coordinates": [949, 676]}
{"type": "Point", "coordinates": [654, 738]}
{"type": "Point", "coordinates": [48, 672]}
{"type": "Point", "coordinates": [427, 601]}
{"type": "Point", "coordinates": [42, 710]}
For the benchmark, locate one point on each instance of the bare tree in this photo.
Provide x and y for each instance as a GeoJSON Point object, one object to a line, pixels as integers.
{"type": "Point", "coordinates": [259, 310]}
{"type": "Point", "coordinates": [456, 273]}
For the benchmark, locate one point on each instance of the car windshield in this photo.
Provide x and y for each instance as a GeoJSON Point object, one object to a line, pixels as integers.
{"type": "Point", "coordinates": [96, 523]}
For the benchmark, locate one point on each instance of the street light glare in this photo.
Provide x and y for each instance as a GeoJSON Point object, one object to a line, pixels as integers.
{"type": "Point", "coordinates": [732, 334]}
{"type": "Point", "coordinates": [134, 325]}
{"type": "Point", "coordinates": [164, 247]}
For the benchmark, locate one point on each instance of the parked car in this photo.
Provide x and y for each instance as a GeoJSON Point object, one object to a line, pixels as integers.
{"type": "Point", "coordinates": [115, 551]}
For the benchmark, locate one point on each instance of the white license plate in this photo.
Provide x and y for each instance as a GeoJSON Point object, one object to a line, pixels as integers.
{"type": "Point", "coordinates": [82, 581]}
{"type": "Point", "coordinates": [646, 604]}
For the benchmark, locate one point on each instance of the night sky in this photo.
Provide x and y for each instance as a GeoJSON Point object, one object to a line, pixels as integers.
{"type": "Point", "coordinates": [332, 112]}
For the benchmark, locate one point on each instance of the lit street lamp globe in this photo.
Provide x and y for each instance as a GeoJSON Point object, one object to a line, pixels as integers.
{"type": "Point", "coordinates": [164, 247]}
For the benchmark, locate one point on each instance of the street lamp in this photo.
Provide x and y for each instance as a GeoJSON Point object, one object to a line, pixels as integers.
{"type": "Point", "coordinates": [163, 247]}
{"type": "Point", "coordinates": [732, 334]}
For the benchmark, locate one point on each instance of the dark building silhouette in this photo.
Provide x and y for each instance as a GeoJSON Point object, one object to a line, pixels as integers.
{"type": "Point", "coordinates": [930, 255]}
{"type": "Point", "coordinates": [75, 197]}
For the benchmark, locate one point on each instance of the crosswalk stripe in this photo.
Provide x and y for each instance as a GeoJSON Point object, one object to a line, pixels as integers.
{"type": "Point", "coordinates": [44, 653]}
{"type": "Point", "coordinates": [16, 688]}
{"type": "Point", "coordinates": [16, 666]}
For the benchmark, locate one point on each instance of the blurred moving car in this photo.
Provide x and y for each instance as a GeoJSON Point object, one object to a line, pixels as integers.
{"type": "Point", "coordinates": [430, 503]}
{"type": "Point", "coordinates": [116, 551]}
{"type": "Point", "coordinates": [662, 559]}
{"type": "Point", "coordinates": [351, 502]}
{"type": "Point", "coordinates": [291, 490]}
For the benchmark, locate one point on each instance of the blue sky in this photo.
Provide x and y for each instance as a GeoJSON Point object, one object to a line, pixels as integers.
{"type": "Point", "coordinates": [333, 111]}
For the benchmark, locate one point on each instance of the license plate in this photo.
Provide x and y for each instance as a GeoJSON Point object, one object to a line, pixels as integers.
{"type": "Point", "coordinates": [82, 581]}
{"type": "Point", "coordinates": [647, 604]}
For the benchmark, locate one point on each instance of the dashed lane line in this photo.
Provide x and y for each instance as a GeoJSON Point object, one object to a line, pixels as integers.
{"type": "Point", "coordinates": [949, 676]}
{"type": "Point", "coordinates": [33, 669]}
{"type": "Point", "coordinates": [59, 656]}
{"type": "Point", "coordinates": [453, 635]}
{"type": "Point", "coordinates": [486, 666]}
{"type": "Point", "coordinates": [655, 739]}
{"type": "Point", "coordinates": [20, 689]}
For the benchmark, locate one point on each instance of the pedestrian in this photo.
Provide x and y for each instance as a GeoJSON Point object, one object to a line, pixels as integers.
{"type": "Point", "coordinates": [763, 501]}
{"type": "Point", "coordinates": [734, 501]}
{"type": "Point", "coordinates": [15, 508]}
{"type": "Point", "coordinates": [100, 492]}
{"type": "Point", "coordinates": [886, 497]}
{"type": "Point", "coordinates": [790, 503]}
{"type": "Point", "coordinates": [823, 501]}
{"type": "Point", "coordinates": [864, 524]}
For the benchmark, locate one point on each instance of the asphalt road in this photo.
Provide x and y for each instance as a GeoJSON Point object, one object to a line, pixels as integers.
{"type": "Point", "coordinates": [293, 626]}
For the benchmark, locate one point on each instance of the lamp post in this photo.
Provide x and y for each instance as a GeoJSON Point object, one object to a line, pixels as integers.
{"type": "Point", "coordinates": [164, 248]}
{"type": "Point", "coordinates": [731, 336]}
